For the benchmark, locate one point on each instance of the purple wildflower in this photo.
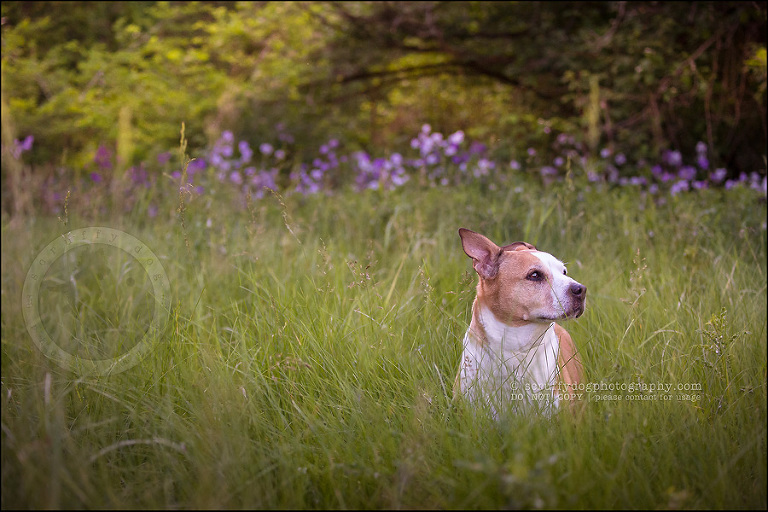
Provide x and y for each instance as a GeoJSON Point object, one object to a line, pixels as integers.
{"type": "Point", "coordinates": [196, 165]}
{"type": "Point", "coordinates": [426, 145]}
{"type": "Point", "coordinates": [227, 151]}
{"type": "Point", "coordinates": [139, 175]}
{"type": "Point", "coordinates": [719, 175]}
{"type": "Point", "coordinates": [103, 158]}
{"type": "Point", "coordinates": [483, 167]}
{"type": "Point", "coordinates": [687, 173]}
{"type": "Point", "coordinates": [26, 144]}
{"type": "Point", "coordinates": [164, 157]}
{"type": "Point", "coordinates": [20, 147]}
{"type": "Point", "coordinates": [672, 158]}
{"type": "Point", "coordinates": [220, 163]}
{"type": "Point", "coordinates": [399, 177]}
{"type": "Point", "coordinates": [266, 148]}
{"type": "Point", "coordinates": [679, 186]}
{"type": "Point", "coordinates": [548, 171]}
{"type": "Point", "coordinates": [245, 151]}
{"type": "Point", "coordinates": [477, 148]}
{"type": "Point", "coordinates": [699, 184]}
{"type": "Point", "coordinates": [456, 138]}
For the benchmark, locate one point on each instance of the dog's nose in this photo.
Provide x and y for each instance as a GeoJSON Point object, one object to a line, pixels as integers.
{"type": "Point", "coordinates": [578, 290]}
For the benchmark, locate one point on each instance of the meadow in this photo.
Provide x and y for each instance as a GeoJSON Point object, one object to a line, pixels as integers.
{"type": "Point", "coordinates": [312, 342]}
{"type": "Point", "coordinates": [272, 316]}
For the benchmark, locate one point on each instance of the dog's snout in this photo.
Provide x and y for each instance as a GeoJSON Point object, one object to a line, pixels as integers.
{"type": "Point", "coordinates": [578, 290]}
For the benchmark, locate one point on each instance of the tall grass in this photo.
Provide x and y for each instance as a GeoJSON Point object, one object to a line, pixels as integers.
{"type": "Point", "coordinates": [313, 342]}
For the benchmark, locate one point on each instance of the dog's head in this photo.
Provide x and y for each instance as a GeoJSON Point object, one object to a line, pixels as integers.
{"type": "Point", "coordinates": [521, 284]}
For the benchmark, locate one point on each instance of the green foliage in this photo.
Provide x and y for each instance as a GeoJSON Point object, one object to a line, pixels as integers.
{"type": "Point", "coordinates": [191, 62]}
{"type": "Point", "coordinates": [669, 74]}
{"type": "Point", "coordinates": [636, 77]}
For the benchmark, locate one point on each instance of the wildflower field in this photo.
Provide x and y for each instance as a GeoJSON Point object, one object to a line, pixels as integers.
{"type": "Point", "coordinates": [232, 276]}
{"type": "Point", "coordinates": [306, 355]}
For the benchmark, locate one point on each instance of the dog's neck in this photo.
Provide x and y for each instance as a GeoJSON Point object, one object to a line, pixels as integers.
{"type": "Point", "coordinates": [495, 335]}
{"type": "Point", "coordinates": [492, 334]}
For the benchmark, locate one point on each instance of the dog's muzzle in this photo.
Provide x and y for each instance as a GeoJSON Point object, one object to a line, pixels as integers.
{"type": "Point", "coordinates": [577, 293]}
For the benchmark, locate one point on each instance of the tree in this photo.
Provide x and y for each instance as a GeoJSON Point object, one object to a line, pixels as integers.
{"type": "Point", "coordinates": [668, 74]}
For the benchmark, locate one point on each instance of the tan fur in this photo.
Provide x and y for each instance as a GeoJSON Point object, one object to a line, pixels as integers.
{"type": "Point", "coordinates": [571, 369]}
{"type": "Point", "coordinates": [510, 282]}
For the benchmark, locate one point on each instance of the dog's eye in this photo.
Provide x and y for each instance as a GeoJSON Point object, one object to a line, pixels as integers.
{"type": "Point", "coordinates": [565, 272]}
{"type": "Point", "coordinates": [535, 276]}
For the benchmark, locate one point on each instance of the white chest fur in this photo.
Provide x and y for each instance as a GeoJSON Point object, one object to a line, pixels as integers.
{"type": "Point", "coordinates": [510, 366]}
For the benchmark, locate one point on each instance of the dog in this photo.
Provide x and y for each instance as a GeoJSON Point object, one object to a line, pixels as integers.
{"type": "Point", "coordinates": [514, 353]}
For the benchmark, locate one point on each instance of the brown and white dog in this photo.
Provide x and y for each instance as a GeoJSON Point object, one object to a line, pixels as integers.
{"type": "Point", "coordinates": [515, 355]}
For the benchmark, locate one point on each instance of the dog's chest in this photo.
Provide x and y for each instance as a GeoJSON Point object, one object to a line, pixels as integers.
{"type": "Point", "coordinates": [518, 368]}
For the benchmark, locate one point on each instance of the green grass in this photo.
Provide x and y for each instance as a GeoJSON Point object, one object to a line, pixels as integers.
{"type": "Point", "coordinates": [312, 345]}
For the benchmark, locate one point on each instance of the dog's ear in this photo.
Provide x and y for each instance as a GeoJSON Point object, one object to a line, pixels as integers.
{"type": "Point", "coordinates": [484, 253]}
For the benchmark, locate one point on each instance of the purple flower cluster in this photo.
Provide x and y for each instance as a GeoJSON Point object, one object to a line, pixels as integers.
{"type": "Point", "coordinates": [314, 177]}
{"type": "Point", "coordinates": [21, 146]}
{"type": "Point", "coordinates": [252, 172]}
{"type": "Point", "coordinates": [447, 160]}
{"type": "Point", "coordinates": [384, 173]}
{"type": "Point", "coordinates": [437, 160]}
{"type": "Point", "coordinates": [670, 174]}
{"type": "Point", "coordinates": [104, 163]}
{"type": "Point", "coordinates": [432, 159]}
{"type": "Point", "coordinates": [680, 176]}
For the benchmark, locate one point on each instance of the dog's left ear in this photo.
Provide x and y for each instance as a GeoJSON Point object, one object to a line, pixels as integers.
{"type": "Point", "coordinates": [484, 253]}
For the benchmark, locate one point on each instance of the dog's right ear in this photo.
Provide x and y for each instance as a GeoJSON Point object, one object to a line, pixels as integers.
{"type": "Point", "coordinates": [484, 253]}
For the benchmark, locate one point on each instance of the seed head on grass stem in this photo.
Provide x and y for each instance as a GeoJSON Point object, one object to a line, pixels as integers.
{"type": "Point", "coordinates": [183, 189]}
